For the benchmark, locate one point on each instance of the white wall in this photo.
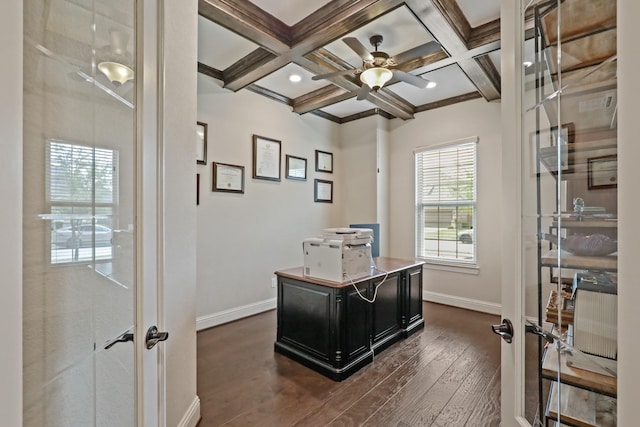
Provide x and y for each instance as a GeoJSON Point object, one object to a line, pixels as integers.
{"type": "Point", "coordinates": [365, 151]}
{"type": "Point", "coordinates": [383, 192]}
{"type": "Point", "coordinates": [472, 118]}
{"type": "Point", "coordinates": [179, 290]}
{"type": "Point", "coordinates": [243, 239]}
{"type": "Point", "coordinates": [359, 155]}
{"type": "Point", "coordinates": [11, 214]}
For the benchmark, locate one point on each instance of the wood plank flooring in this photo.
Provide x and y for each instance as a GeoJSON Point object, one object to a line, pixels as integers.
{"type": "Point", "coordinates": [448, 374]}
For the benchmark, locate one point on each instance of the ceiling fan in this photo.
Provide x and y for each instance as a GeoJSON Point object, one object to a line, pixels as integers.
{"type": "Point", "coordinates": [377, 67]}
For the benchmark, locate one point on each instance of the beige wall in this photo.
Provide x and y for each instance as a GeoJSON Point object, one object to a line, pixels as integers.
{"type": "Point", "coordinates": [243, 238]}
{"type": "Point", "coordinates": [479, 291]}
{"type": "Point", "coordinates": [358, 142]}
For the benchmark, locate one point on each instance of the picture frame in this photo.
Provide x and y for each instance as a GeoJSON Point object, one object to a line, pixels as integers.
{"type": "Point", "coordinates": [296, 168]}
{"type": "Point", "coordinates": [566, 136]}
{"type": "Point", "coordinates": [559, 144]}
{"type": "Point", "coordinates": [201, 143]}
{"type": "Point", "coordinates": [602, 172]}
{"type": "Point", "coordinates": [322, 191]}
{"type": "Point", "coordinates": [324, 161]}
{"type": "Point", "coordinates": [228, 178]}
{"type": "Point", "coordinates": [266, 158]}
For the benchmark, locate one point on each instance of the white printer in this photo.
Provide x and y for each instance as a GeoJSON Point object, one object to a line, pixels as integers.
{"type": "Point", "coordinates": [339, 254]}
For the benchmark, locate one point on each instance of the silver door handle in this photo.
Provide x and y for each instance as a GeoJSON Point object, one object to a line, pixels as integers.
{"type": "Point", "coordinates": [504, 329]}
{"type": "Point", "coordinates": [123, 337]}
{"type": "Point", "coordinates": [154, 337]}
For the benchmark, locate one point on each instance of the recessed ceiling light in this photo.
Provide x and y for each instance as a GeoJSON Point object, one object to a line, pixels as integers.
{"type": "Point", "coordinates": [431, 85]}
{"type": "Point", "coordinates": [295, 78]}
{"type": "Point", "coordinates": [527, 64]}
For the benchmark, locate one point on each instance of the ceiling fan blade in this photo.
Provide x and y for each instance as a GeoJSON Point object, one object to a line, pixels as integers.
{"type": "Point", "coordinates": [335, 74]}
{"type": "Point", "coordinates": [363, 92]}
{"type": "Point", "coordinates": [417, 52]}
{"type": "Point", "coordinates": [358, 48]}
{"type": "Point", "coordinates": [410, 78]}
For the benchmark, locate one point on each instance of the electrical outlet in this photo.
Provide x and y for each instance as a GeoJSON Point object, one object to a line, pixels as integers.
{"type": "Point", "coordinates": [274, 282]}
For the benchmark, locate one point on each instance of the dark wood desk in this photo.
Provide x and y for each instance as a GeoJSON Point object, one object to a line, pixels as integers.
{"type": "Point", "coordinates": [328, 327]}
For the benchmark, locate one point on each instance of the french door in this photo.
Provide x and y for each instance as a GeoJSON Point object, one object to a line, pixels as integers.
{"type": "Point", "coordinates": [90, 213]}
{"type": "Point", "coordinates": [561, 57]}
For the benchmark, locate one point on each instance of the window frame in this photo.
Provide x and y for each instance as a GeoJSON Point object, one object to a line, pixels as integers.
{"type": "Point", "coordinates": [448, 263]}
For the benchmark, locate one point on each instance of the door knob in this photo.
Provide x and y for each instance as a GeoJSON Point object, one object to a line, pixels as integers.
{"type": "Point", "coordinates": [123, 337]}
{"type": "Point", "coordinates": [154, 337]}
{"type": "Point", "coordinates": [533, 328]}
{"type": "Point", "coordinates": [505, 330]}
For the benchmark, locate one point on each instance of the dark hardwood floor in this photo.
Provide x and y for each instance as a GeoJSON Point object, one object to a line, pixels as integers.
{"type": "Point", "coordinates": [447, 374]}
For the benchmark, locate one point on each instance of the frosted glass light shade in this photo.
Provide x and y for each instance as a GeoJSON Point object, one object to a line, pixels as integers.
{"type": "Point", "coordinates": [116, 72]}
{"type": "Point", "coordinates": [376, 77]}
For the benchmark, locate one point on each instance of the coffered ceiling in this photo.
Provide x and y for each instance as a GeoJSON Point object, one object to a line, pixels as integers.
{"type": "Point", "coordinates": [257, 45]}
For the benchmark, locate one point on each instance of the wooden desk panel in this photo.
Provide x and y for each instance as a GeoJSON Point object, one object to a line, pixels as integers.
{"type": "Point", "coordinates": [328, 327]}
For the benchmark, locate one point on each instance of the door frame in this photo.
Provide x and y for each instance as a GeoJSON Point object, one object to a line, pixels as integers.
{"type": "Point", "coordinates": [512, 355]}
{"type": "Point", "coordinates": [11, 213]}
{"type": "Point", "coordinates": [150, 364]}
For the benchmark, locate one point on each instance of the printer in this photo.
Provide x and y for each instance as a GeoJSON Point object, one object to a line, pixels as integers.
{"type": "Point", "coordinates": [595, 315]}
{"type": "Point", "coordinates": [339, 254]}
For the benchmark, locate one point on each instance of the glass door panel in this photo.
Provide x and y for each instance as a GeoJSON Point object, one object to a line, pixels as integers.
{"type": "Point", "coordinates": [79, 213]}
{"type": "Point", "coordinates": [569, 187]}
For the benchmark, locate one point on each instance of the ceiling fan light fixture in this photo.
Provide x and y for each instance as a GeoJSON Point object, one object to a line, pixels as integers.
{"type": "Point", "coordinates": [116, 72]}
{"type": "Point", "coordinates": [115, 60]}
{"type": "Point", "coordinates": [376, 77]}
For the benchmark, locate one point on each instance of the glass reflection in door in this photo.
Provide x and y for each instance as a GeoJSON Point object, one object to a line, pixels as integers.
{"type": "Point", "coordinates": [79, 213]}
{"type": "Point", "coordinates": [569, 180]}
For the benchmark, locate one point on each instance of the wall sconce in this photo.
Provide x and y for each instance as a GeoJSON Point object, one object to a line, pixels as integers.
{"type": "Point", "coordinates": [115, 60]}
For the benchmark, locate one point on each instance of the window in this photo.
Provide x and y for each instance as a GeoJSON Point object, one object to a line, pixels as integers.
{"type": "Point", "coordinates": [81, 193]}
{"type": "Point", "coordinates": [446, 202]}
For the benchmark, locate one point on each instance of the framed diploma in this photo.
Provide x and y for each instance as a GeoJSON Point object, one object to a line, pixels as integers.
{"type": "Point", "coordinates": [266, 158]}
{"type": "Point", "coordinates": [229, 178]}
{"type": "Point", "coordinates": [602, 172]}
{"type": "Point", "coordinates": [324, 161]}
{"type": "Point", "coordinates": [201, 144]}
{"type": "Point", "coordinates": [296, 168]}
{"type": "Point", "coordinates": [323, 191]}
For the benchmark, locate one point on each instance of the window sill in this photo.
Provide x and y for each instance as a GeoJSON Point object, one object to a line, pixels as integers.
{"type": "Point", "coordinates": [451, 267]}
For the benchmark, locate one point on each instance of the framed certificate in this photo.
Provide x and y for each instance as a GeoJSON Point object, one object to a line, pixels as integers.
{"type": "Point", "coordinates": [228, 178]}
{"type": "Point", "coordinates": [296, 168]}
{"type": "Point", "coordinates": [324, 161]}
{"type": "Point", "coordinates": [323, 191]}
{"type": "Point", "coordinates": [266, 158]}
{"type": "Point", "coordinates": [602, 172]}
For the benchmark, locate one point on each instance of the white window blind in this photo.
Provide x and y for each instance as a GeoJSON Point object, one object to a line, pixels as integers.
{"type": "Point", "coordinates": [79, 174]}
{"type": "Point", "coordinates": [446, 202]}
{"type": "Point", "coordinates": [81, 190]}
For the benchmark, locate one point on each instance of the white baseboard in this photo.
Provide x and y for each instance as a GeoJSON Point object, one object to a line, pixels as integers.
{"type": "Point", "coordinates": [215, 319]}
{"type": "Point", "coordinates": [461, 302]}
{"type": "Point", "coordinates": [192, 416]}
